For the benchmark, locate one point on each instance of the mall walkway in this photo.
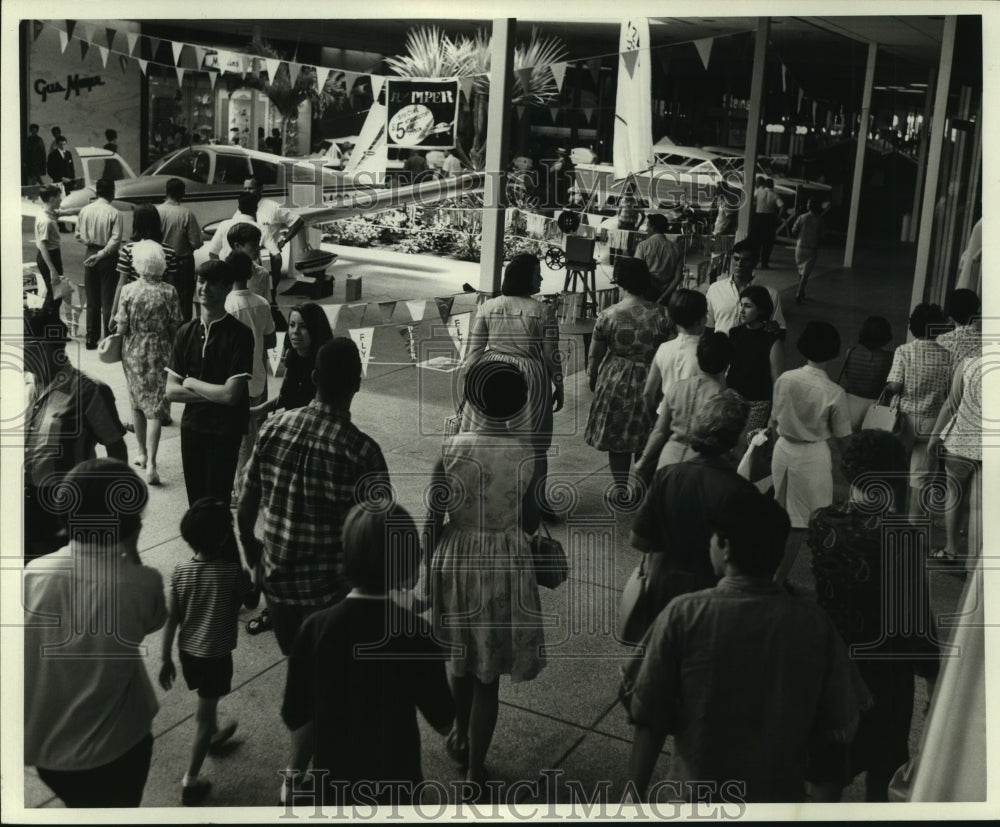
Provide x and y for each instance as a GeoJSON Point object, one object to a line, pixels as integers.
{"type": "Point", "coordinates": [568, 720]}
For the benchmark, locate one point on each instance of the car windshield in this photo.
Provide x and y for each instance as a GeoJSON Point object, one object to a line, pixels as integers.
{"type": "Point", "coordinates": [193, 164]}
{"type": "Point", "coordinates": [104, 168]}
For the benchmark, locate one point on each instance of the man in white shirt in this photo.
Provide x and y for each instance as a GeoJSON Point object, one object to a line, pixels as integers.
{"type": "Point", "coordinates": [272, 219]}
{"type": "Point", "coordinates": [99, 227]}
{"type": "Point", "coordinates": [451, 166]}
{"type": "Point", "coordinates": [724, 295]}
{"type": "Point", "coordinates": [246, 211]}
{"type": "Point", "coordinates": [767, 210]}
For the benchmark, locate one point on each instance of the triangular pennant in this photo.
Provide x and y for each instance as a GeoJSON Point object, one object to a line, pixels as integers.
{"type": "Point", "coordinates": [363, 339]}
{"type": "Point", "coordinates": [350, 78]}
{"type": "Point", "coordinates": [36, 29]}
{"type": "Point", "coordinates": [417, 309]}
{"type": "Point", "coordinates": [271, 65]}
{"type": "Point", "coordinates": [704, 47]}
{"type": "Point", "coordinates": [594, 64]}
{"type": "Point", "coordinates": [387, 308]}
{"type": "Point", "coordinates": [87, 30]}
{"type": "Point", "coordinates": [588, 113]}
{"type": "Point", "coordinates": [199, 56]}
{"type": "Point", "coordinates": [180, 75]}
{"type": "Point", "coordinates": [378, 81]}
{"type": "Point", "coordinates": [70, 26]}
{"type": "Point", "coordinates": [524, 76]}
{"type": "Point", "coordinates": [554, 112]}
{"type": "Point", "coordinates": [458, 329]}
{"type": "Point", "coordinates": [84, 48]}
{"type": "Point", "coordinates": [558, 74]}
{"type": "Point", "coordinates": [154, 47]}
{"type": "Point", "coordinates": [213, 77]}
{"type": "Point", "coordinates": [360, 311]}
{"type": "Point", "coordinates": [63, 40]}
{"type": "Point", "coordinates": [123, 62]}
{"type": "Point", "coordinates": [177, 48]}
{"type": "Point", "coordinates": [444, 306]}
{"type": "Point", "coordinates": [465, 84]}
{"type": "Point", "coordinates": [142, 64]}
{"type": "Point", "coordinates": [332, 313]}
{"type": "Point", "coordinates": [132, 38]}
{"type": "Point", "coordinates": [520, 111]}
{"type": "Point", "coordinates": [630, 59]}
{"type": "Point", "coordinates": [104, 55]}
{"type": "Point", "coordinates": [293, 72]}
{"type": "Point", "coordinates": [406, 331]}
{"type": "Point", "coordinates": [322, 75]}
{"type": "Point", "coordinates": [109, 36]}
{"type": "Point", "coordinates": [274, 354]}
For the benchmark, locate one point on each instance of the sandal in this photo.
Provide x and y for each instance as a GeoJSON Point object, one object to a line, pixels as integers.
{"type": "Point", "coordinates": [259, 624]}
{"type": "Point", "coordinates": [458, 754]}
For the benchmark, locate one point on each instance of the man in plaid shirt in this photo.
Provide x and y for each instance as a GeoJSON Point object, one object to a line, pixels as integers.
{"type": "Point", "coordinates": [308, 468]}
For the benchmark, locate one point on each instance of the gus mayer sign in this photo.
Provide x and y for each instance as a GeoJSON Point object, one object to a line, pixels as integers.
{"type": "Point", "coordinates": [74, 84]}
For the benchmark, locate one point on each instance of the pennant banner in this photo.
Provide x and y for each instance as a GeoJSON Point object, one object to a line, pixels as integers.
{"type": "Point", "coordinates": [417, 309]}
{"type": "Point", "coordinates": [630, 58]}
{"type": "Point", "coordinates": [588, 113]}
{"type": "Point", "coordinates": [554, 112]}
{"type": "Point", "coordinates": [88, 32]}
{"type": "Point", "coordinates": [180, 75]}
{"type": "Point", "coordinates": [63, 40]}
{"type": "Point", "coordinates": [274, 355]}
{"type": "Point", "coordinates": [444, 307]}
{"type": "Point", "coordinates": [704, 47]}
{"type": "Point", "coordinates": [142, 65]}
{"type": "Point", "coordinates": [378, 81]}
{"type": "Point", "coordinates": [132, 38]}
{"type": "Point", "coordinates": [524, 76]}
{"type": "Point", "coordinates": [458, 329]}
{"type": "Point", "coordinates": [293, 72]}
{"type": "Point", "coordinates": [36, 28]}
{"type": "Point", "coordinates": [177, 49]}
{"type": "Point", "coordinates": [350, 78]}
{"type": "Point", "coordinates": [594, 64]}
{"type": "Point", "coordinates": [332, 313]}
{"type": "Point", "coordinates": [387, 308]}
{"type": "Point", "coordinates": [70, 26]}
{"type": "Point", "coordinates": [123, 62]}
{"type": "Point", "coordinates": [104, 55]}
{"type": "Point", "coordinates": [84, 48]}
{"type": "Point", "coordinates": [465, 84]}
{"type": "Point", "coordinates": [363, 339]}
{"type": "Point", "coordinates": [199, 56]}
{"type": "Point", "coordinates": [359, 311]}
{"type": "Point", "coordinates": [558, 74]}
{"type": "Point", "coordinates": [212, 77]}
{"type": "Point", "coordinates": [154, 47]}
{"type": "Point", "coordinates": [109, 36]}
{"type": "Point", "coordinates": [322, 75]}
{"type": "Point", "coordinates": [520, 111]}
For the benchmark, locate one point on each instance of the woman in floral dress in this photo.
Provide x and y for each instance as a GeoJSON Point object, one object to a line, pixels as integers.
{"type": "Point", "coordinates": [626, 337]}
{"type": "Point", "coordinates": [483, 588]}
{"type": "Point", "coordinates": [148, 317]}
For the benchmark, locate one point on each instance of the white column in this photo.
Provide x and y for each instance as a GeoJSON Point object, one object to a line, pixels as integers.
{"type": "Point", "coordinates": [497, 130]}
{"type": "Point", "coordinates": [753, 123]}
{"type": "Point", "coordinates": [938, 120]}
{"type": "Point", "coordinates": [859, 155]}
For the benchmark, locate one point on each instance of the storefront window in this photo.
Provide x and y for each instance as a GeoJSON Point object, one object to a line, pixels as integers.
{"type": "Point", "coordinates": [178, 115]}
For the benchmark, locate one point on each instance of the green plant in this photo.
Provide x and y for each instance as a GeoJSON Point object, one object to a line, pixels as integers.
{"type": "Point", "coordinates": [351, 232]}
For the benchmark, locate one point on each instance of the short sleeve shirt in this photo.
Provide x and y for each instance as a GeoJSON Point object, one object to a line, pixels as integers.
{"type": "Point", "coordinates": [924, 369]}
{"type": "Point", "coordinates": [676, 360]}
{"type": "Point", "coordinates": [255, 313]}
{"type": "Point", "coordinates": [809, 407]}
{"type": "Point", "coordinates": [214, 355]}
{"type": "Point", "coordinates": [180, 228]}
{"type": "Point", "coordinates": [964, 341]}
{"type": "Point", "coordinates": [47, 231]}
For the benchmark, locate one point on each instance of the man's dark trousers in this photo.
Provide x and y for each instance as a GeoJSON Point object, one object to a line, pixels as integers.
{"type": "Point", "coordinates": [99, 283]}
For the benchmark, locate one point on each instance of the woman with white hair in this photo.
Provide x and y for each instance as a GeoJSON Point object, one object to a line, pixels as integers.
{"type": "Point", "coordinates": [148, 317]}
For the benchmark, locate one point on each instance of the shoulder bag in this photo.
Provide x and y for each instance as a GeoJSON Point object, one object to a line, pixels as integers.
{"type": "Point", "coordinates": [882, 417]}
{"type": "Point", "coordinates": [634, 606]}
{"type": "Point", "coordinates": [109, 350]}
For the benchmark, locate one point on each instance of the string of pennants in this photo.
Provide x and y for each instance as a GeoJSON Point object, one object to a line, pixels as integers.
{"type": "Point", "coordinates": [217, 61]}
{"type": "Point", "coordinates": [366, 321]}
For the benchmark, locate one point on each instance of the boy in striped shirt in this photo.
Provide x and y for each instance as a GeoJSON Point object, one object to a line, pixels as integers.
{"type": "Point", "coordinates": [204, 601]}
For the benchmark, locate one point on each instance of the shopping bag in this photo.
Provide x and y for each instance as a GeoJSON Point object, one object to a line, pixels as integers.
{"type": "Point", "coordinates": [756, 463]}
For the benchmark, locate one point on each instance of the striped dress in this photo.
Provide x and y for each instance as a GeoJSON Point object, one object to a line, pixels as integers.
{"type": "Point", "coordinates": [208, 594]}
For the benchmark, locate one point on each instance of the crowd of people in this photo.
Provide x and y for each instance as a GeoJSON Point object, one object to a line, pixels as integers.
{"type": "Point", "coordinates": [380, 618]}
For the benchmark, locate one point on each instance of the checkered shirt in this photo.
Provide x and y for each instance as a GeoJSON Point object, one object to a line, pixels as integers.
{"type": "Point", "coordinates": [310, 466]}
{"type": "Point", "coordinates": [924, 369]}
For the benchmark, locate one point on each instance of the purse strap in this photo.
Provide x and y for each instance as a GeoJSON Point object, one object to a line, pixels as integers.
{"type": "Point", "coordinates": [878, 402]}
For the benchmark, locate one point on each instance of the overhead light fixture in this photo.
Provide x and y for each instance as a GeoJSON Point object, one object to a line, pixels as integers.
{"type": "Point", "coordinates": [919, 85]}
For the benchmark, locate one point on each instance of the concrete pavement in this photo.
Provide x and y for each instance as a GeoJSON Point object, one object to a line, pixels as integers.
{"type": "Point", "coordinates": [568, 719]}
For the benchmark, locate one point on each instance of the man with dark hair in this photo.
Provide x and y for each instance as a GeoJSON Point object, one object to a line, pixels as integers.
{"type": "Point", "coordinates": [99, 226]}
{"type": "Point", "coordinates": [962, 307]}
{"type": "Point", "coordinates": [68, 415]}
{"type": "Point", "coordinates": [724, 295]}
{"type": "Point", "coordinates": [749, 677]}
{"type": "Point", "coordinates": [663, 258]}
{"type": "Point", "coordinates": [59, 164]}
{"type": "Point", "coordinates": [88, 701]}
{"type": "Point", "coordinates": [209, 370]}
{"type": "Point", "coordinates": [309, 466]}
{"type": "Point", "coordinates": [111, 136]}
{"type": "Point", "coordinates": [33, 156]}
{"type": "Point", "coordinates": [182, 233]}
{"type": "Point", "coordinates": [246, 211]}
{"type": "Point", "coordinates": [278, 227]}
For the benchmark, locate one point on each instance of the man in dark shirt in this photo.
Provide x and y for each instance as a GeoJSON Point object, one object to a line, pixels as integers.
{"type": "Point", "coordinates": [33, 156]}
{"type": "Point", "coordinates": [68, 415]}
{"type": "Point", "coordinates": [359, 670]}
{"type": "Point", "coordinates": [209, 370]}
{"type": "Point", "coordinates": [60, 165]}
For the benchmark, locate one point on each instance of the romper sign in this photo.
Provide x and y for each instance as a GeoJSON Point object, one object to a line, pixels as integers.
{"type": "Point", "coordinates": [421, 113]}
